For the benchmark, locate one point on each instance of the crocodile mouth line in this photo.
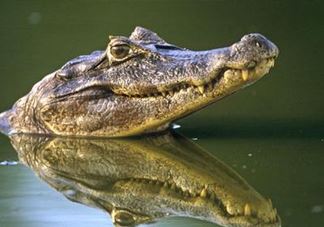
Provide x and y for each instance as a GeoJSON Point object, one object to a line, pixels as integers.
{"type": "Point", "coordinates": [202, 87]}
{"type": "Point", "coordinates": [208, 85]}
{"type": "Point", "coordinates": [204, 194]}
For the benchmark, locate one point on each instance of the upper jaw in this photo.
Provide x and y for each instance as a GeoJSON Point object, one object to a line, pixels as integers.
{"type": "Point", "coordinates": [248, 59]}
{"type": "Point", "coordinates": [245, 62]}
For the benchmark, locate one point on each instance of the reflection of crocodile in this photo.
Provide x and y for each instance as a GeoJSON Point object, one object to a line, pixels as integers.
{"type": "Point", "coordinates": [143, 179]}
{"type": "Point", "coordinates": [139, 84]}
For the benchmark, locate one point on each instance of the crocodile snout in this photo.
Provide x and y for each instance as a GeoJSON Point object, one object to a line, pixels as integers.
{"type": "Point", "coordinates": [261, 45]}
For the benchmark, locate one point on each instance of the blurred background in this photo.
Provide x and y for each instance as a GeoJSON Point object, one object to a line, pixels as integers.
{"type": "Point", "coordinates": [281, 115]}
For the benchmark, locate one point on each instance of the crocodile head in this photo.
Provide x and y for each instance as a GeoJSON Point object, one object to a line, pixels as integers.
{"type": "Point", "coordinates": [141, 180]}
{"type": "Point", "coordinates": [138, 84]}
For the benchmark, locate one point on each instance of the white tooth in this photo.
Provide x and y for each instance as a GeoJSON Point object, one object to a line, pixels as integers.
{"type": "Point", "coordinates": [227, 74]}
{"type": "Point", "coordinates": [201, 89]}
{"type": "Point", "coordinates": [247, 210]}
{"type": "Point", "coordinates": [163, 93]}
{"type": "Point", "coordinates": [203, 193]}
{"type": "Point", "coordinates": [245, 74]}
{"type": "Point", "coordinates": [171, 92]}
{"type": "Point", "coordinates": [230, 210]}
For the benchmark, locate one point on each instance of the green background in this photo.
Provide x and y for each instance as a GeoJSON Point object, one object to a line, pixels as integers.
{"type": "Point", "coordinates": [280, 117]}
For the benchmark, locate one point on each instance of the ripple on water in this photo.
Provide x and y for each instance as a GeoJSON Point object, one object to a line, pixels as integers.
{"type": "Point", "coordinates": [8, 163]}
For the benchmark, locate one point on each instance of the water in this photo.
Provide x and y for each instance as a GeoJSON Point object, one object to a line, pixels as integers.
{"type": "Point", "coordinates": [272, 133]}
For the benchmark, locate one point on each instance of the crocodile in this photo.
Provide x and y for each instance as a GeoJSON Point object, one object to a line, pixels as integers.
{"type": "Point", "coordinates": [144, 179]}
{"type": "Point", "coordinates": [139, 84]}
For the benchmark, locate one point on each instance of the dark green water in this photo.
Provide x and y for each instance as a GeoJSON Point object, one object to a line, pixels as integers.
{"type": "Point", "coordinates": [271, 133]}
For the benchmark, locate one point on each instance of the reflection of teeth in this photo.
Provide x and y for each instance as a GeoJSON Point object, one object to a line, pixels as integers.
{"type": "Point", "coordinates": [203, 193]}
{"type": "Point", "coordinates": [212, 196]}
{"type": "Point", "coordinates": [245, 74]}
{"type": "Point", "coordinates": [274, 214]}
{"type": "Point", "coordinates": [173, 186]}
{"type": "Point", "coordinates": [247, 210]}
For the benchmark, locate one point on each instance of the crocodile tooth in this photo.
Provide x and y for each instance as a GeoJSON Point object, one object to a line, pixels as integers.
{"type": "Point", "coordinates": [247, 210]}
{"type": "Point", "coordinates": [164, 93]}
{"type": "Point", "coordinates": [173, 186]}
{"type": "Point", "coordinates": [270, 202]}
{"type": "Point", "coordinates": [230, 210]}
{"type": "Point", "coordinates": [274, 213]}
{"type": "Point", "coordinates": [203, 193]}
{"type": "Point", "coordinates": [201, 89]}
{"type": "Point", "coordinates": [166, 184]}
{"type": "Point", "coordinates": [171, 92]}
{"type": "Point", "coordinates": [245, 74]}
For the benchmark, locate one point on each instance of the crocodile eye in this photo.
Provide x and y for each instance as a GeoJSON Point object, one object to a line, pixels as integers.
{"type": "Point", "coordinates": [123, 218]}
{"type": "Point", "coordinates": [120, 51]}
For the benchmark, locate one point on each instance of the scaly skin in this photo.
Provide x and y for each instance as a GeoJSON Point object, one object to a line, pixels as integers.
{"type": "Point", "coordinates": [140, 180]}
{"type": "Point", "coordinates": [137, 85]}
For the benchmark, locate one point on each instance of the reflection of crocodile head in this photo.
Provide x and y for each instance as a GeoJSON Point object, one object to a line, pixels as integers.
{"type": "Point", "coordinates": [140, 180]}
